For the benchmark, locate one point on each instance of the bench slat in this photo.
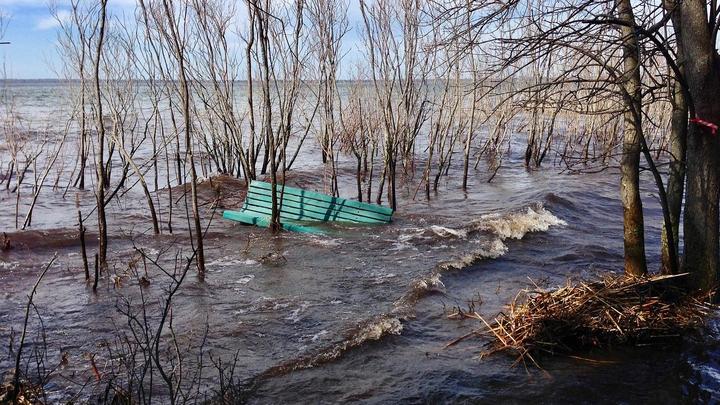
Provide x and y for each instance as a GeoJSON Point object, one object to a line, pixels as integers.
{"type": "Point", "coordinates": [297, 207]}
{"type": "Point", "coordinates": [323, 213]}
{"type": "Point", "coordinates": [323, 197]}
{"type": "Point", "coordinates": [264, 221]}
{"type": "Point", "coordinates": [301, 212]}
{"type": "Point", "coordinates": [323, 205]}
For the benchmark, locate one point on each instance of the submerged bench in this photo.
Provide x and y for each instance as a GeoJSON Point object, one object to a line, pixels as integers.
{"type": "Point", "coordinates": [300, 209]}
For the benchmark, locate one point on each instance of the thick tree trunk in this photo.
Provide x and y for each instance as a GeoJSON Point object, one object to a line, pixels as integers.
{"type": "Point", "coordinates": [633, 224]}
{"type": "Point", "coordinates": [702, 75]}
{"type": "Point", "coordinates": [701, 208]}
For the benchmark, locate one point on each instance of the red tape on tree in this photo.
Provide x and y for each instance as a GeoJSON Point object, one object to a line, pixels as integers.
{"type": "Point", "coordinates": [707, 124]}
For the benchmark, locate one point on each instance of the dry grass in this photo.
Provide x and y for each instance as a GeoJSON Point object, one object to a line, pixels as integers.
{"type": "Point", "coordinates": [28, 394]}
{"type": "Point", "coordinates": [613, 310]}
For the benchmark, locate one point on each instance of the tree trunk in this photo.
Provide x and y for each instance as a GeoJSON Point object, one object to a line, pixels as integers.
{"type": "Point", "coordinates": [100, 164]}
{"type": "Point", "coordinates": [633, 224]}
{"type": "Point", "coordinates": [179, 51]}
{"type": "Point", "coordinates": [270, 148]}
{"type": "Point", "coordinates": [252, 156]}
{"type": "Point", "coordinates": [702, 75]}
{"type": "Point", "coordinates": [676, 178]}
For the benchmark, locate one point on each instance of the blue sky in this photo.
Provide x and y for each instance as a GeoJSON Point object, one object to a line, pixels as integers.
{"type": "Point", "coordinates": [31, 29]}
{"type": "Point", "coordinates": [32, 32]}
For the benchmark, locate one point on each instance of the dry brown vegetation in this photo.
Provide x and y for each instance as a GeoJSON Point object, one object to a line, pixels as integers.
{"type": "Point", "coordinates": [578, 316]}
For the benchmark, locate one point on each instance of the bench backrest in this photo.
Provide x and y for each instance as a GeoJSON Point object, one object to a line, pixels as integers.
{"type": "Point", "coordinates": [303, 205]}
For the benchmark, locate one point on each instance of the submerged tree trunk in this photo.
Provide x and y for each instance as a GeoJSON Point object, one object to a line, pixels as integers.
{"type": "Point", "coordinates": [633, 224]}
{"type": "Point", "coordinates": [184, 88]}
{"type": "Point", "coordinates": [261, 17]}
{"type": "Point", "coordinates": [702, 75]}
{"type": "Point", "coordinates": [100, 163]}
{"type": "Point", "coordinates": [179, 50]}
{"type": "Point", "coordinates": [252, 156]}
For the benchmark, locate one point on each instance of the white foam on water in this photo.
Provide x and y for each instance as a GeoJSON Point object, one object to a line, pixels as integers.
{"type": "Point", "coordinates": [400, 245]}
{"type": "Point", "coordinates": [382, 278]}
{"type": "Point", "coordinates": [502, 227]}
{"type": "Point", "coordinates": [430, 283]}
{"type": "Point", "coordinates": [244, 279]}
{"type": "Point", "coordinates": [296, 314]}
{"type": "Point", "coordinates": [445, 232]}
{"type": "Point", "coordinates": [517, 225]}
{"type": "Point", "coordinates": [227, 261]}
{"type": "Point", "coordinates": [327, 242]}
{"type": "Point", "coordinates": [376, 330]}
{"type": "Point", "coordinates": [150, 251]}
{"type": "Point", "coordinates": [492, 250]}
{"type": "Point", "coordinates": [319, 335]}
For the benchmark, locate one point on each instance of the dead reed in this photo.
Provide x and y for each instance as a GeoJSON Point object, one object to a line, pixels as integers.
{"type": "Point", "coordinates": [27, 393]}
{"type": "Point", "coordinates": [613, 310]}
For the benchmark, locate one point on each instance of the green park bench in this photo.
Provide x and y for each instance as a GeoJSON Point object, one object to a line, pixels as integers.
{"type": "Point", "coordinates": [301, 209]}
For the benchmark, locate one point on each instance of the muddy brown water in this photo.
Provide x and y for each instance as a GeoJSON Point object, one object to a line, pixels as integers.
{"type": "Point", "coordinates": [361, 314]}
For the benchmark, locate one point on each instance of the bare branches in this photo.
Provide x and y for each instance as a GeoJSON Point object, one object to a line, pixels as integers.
{"type": "Point", "coordinates": [4, 20]}
{"type": "Point", "coordinates": [18, 355]}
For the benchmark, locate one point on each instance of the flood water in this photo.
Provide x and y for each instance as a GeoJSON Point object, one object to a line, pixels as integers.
{"type": "Point", "coordinates": [362, 313]}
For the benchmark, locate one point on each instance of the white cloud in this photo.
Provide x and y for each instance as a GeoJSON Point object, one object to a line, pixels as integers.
{"type": "Point", "coordinates": [53, 21]}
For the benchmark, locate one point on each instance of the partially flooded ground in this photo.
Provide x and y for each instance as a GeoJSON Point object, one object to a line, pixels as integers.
{"type": "Point", "coordinates": [360, 314]}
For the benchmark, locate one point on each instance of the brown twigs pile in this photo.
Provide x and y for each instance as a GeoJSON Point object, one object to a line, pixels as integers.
{"type": "Point", "coordinates": [613, 310]}
{"type": "Point", "coordinates": [26, 394]}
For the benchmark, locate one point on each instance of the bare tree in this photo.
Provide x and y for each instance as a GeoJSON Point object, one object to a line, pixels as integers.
{"type": "Point", "coordinates": [399, 72]}
{"type": "Point", "coordinates": [177, 37]}
{"type": "Point", "coordinates": [291, 49]}
{"type": "Point", "coordinates": [3, 25]}
{"type": "Point", "coordinates": [74, 47]}
{"type": "Point", "coordinates": [217, 88]}
{"type": "Point", "coordinates": [329, 23]}
{"type": "Point", "coordinates": [261, 20]}
{"type": "Point", "coordinates": [100, 167]}
{"type": "Point", "coordinates": [633, 223]}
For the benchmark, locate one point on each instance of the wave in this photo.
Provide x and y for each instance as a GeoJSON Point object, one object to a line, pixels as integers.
{"type": "Point", "coordinates": [512, 225]}
{"type": "Point", "coordinates": [500, 227]}
{"type": "Point", "coordinates": [227, 261]}
{"type": "Point", "coordinates": [374, 329]}
{"type": "Point", "coordinates": [444, 232]}
{"type": "Point", "coordinates": [515, 226]}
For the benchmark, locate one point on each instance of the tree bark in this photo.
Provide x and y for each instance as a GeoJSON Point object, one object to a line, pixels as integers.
{"type": "Point", "coordinates": [261, 15]}
{"type": "Point", "coordinates": [676, 178]}
{"type": "Point", "coordinates": [633, 223]}
{"type": "Point", "coordinates": [702, 75]}
{"type": "Point", "coordinates": [178, 47]}
{"type": "Point", "coordinates": [100, 164]}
